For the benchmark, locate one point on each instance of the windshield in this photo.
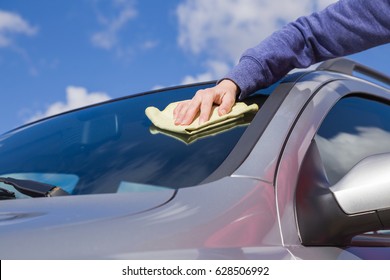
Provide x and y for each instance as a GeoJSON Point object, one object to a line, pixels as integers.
{"type": "Point", "coordinates": [113, 147]}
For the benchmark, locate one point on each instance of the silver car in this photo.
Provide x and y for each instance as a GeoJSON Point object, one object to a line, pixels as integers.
{"type": "Point", "coordinates": [306, 177]}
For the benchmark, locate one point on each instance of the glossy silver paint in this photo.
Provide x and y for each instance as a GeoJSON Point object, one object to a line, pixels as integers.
{"type": "Point", "coordinates": [248, 215]}
{"type": "Point", "coordinates": [198, 218]}
{"type": "Point", "coordinates": [358, 190]}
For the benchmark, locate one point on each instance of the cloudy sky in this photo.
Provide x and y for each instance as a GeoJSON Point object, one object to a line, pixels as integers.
{"type": "Point", "coordinates": [59, 54]}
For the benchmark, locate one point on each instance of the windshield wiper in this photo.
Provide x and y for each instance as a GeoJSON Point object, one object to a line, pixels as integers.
{"type": "Point", "coordinates": [6, 194]}
{"type": "Point", "coordinates": [33, 188]}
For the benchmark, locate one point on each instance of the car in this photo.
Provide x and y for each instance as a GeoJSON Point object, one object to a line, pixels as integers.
{"type": "Point", "coordinates": [306, 177]}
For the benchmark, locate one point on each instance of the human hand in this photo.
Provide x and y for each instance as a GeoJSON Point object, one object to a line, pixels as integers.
{"type": "Point", "coordinates": [223, 94]}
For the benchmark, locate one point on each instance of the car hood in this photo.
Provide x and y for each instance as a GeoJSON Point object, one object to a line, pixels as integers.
{"type": "Point", "coordinates": [29, 214]}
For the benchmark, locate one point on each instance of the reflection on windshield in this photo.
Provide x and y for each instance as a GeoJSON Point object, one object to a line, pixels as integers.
{"type": "Point", "coordinates": [135, 187]}
{"type": "Point", "coordinates": [106, 145]}
{"type": "Point", "coordinates": [189, 139]}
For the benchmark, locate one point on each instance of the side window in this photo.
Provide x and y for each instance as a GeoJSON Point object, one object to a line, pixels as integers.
{"type": "Point", "coordinates": [356, 127]}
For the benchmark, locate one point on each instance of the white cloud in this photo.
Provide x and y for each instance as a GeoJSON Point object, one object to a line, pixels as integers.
{"type": "Point", "coordinates": [220, 30]}
{"type": "Point", "coordinates": [12, 24]}
{"type": "Point", "coordinates": [216, 69]}
{"type": "Point", "coordinates": [322, 4]}
{"type": "Point", "coordinates": [223, 29]}
{"type": "Point", "coordinates": [76, 97]}
{"type": "Point", "coordinates": [107, 38]}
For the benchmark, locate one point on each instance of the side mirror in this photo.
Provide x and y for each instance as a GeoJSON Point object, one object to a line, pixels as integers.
{"type": "Point", "coordinates": [358, 203]}
{"type": "Point", "coordinates": [366, 187]}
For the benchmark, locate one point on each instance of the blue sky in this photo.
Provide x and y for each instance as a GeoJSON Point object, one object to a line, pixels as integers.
{"type": "Point", "coordinates": [56, 54]}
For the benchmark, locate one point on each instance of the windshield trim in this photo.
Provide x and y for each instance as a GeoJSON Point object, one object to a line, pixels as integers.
{"type": "Point", "coordinates": [255, 130]}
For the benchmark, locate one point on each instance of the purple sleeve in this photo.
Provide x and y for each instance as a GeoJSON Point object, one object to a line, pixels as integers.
{"type": "Point", "coordinates": [343, 28]}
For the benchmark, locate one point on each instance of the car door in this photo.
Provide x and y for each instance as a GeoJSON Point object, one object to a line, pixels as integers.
{"type": "Point", "coordinates": [345, 122]}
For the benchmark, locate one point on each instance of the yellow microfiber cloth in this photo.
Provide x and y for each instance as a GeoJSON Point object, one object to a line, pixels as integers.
{"type": "Point", "coordinates": [164, 119]}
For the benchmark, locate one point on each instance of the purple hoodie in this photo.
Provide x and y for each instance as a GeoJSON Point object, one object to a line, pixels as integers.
{"type": "Point", "coordinates": [343, 28]}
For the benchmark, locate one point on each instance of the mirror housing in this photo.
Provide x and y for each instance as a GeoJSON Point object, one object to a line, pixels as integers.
{"type": "Point", "coordinates": [366, 187]}
{"type": "Point", "coordinates": [358, 203]}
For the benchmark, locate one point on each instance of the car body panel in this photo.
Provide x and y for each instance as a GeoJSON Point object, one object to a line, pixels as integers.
{"type": "Point", "coordinates": [197, 215]}
{"type": "Point", "coordinates": [245, 209]}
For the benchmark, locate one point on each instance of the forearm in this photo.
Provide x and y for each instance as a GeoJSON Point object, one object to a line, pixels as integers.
{"type": "Point", "coordinates": [343, 28]}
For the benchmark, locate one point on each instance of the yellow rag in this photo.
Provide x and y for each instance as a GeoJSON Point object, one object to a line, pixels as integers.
{"type": "Point", "coordinates": [164, 119]}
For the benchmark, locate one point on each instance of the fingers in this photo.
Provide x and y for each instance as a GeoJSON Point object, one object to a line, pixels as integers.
{"type": "Point", "coordinates": [189, 113]}
{"type": "Point", "coordinates": [179, 108]}
{"type": "Point", "coordinates": [185, 111]}
{"type": "Point", "coordinates": [223, 94]}
{"type": "Point", "coordinates": [226, 105]}
{"type": "Point", "coordinates": [206, 106]}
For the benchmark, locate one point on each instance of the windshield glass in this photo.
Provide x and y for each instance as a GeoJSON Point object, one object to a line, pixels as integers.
{"type": "Point", "coordinates": [113, 147]}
